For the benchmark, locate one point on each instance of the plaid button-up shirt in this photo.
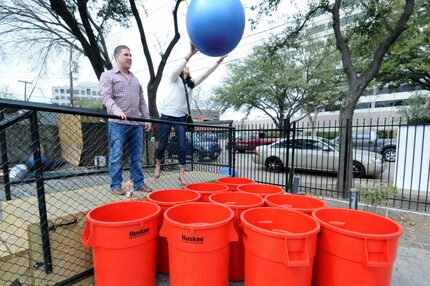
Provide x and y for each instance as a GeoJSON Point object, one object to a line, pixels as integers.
{"type": "Point", "coordinates": [123, 94]}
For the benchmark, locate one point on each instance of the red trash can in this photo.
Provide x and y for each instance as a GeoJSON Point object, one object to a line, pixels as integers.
{"type": "Point", "coordinates": [238, 202]}
{"type": "Point", "coordinates": [234, 182]}
{"type": "Point", "coordinates": [199, 235]}
{"type": "Point", "coordinates": [355, 248]}
{"type": "Point", "coordinates": [206, 189]}
{"type": "Point", "coordinates": [165, 199]}
{"type": "Point", "coordinates": [123, 238]}
{"type": "Point", "coordinates": [301, 203]}
{"type": "Point", "coordinates": [280, 246]}
{"type": "Point", "coordinates": [262, 190]}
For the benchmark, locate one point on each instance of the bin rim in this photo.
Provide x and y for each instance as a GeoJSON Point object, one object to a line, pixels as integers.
{"type": "Point", "coordinates": [220, 180]}
{"type": "Point", "coordinates": [208, 183]}
{"type": "Point", "coordinates": [233, 206]}
{"type": "Point", "coordinates": [239, 188]}
{"type": "Point", "coordinates": [122, 223]}
{"type": "Point", "coordinates": [197, 226]}
{"type": "Point", "coordinates": [352, 233]}
{"type": "Point", "coordinates": [310, 210]}
{"type": "Point", "coordinates": [164, 203]}
{"type": "Point", "coordinates": [309, 233]}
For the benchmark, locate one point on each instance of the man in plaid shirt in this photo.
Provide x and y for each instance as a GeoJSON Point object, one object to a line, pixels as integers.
{"type": "Point", "coordinates": [123, 96]}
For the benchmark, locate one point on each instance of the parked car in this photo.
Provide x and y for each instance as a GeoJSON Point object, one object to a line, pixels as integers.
{"type": "Point", "coordinates": [249, 140]}
{"type": "Point", "coordinates": [203, 146]}
{"type": "Point", "coordinates": [314, 153]}
{"type": "Point", "coordinates": [369, 140]}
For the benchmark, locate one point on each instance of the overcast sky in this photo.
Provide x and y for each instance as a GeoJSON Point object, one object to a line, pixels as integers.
{"type": "Point", "coordinates": [159, 31]}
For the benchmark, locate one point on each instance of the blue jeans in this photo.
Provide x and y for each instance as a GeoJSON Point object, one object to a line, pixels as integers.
{"type": "Point", "coordinates": [120, 137]}
{"type": "Point", "coordinates": [164, 137]}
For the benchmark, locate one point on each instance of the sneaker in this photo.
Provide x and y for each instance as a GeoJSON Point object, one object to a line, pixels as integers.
{"type": "Point", "coordinates": [118, 191]}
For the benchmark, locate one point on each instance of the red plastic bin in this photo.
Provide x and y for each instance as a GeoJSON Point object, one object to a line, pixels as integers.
{"type": "Point", "coordinates": [206, 189]}
{"type": "Point", "coordinates": [301, 203]}
{"type": "Point", "coordinates": [355, 248]}
{"type": "Point", "coordinates": [238, 202]}
{"type": "Point", "coordinates": [166, 199]}
{"type": "Point", "coordinates": [123, 238]}
{"type": "Point", "coordinates": [280, 246]}
{"type": "Point", "coordinates": [234, 182]}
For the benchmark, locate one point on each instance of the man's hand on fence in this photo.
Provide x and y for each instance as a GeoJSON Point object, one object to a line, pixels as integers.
{"type": "Point", "coordinates": [121, 114]}
{"type": "Point", "coordinates": [148, 126]}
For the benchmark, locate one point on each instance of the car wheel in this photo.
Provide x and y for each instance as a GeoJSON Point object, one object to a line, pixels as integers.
{"type": "Point", "coordinates": [358, 170]}
{"type": "Point", "coordinates": [274, 165]}
{"type": "Point", "coordinates": [389, 155]}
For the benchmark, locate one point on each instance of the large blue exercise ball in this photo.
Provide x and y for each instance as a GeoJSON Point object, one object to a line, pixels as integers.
{"type": "Point", "coordinates": [215, 27]}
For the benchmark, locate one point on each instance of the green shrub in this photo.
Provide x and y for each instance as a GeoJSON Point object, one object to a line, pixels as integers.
{"type": "Point", "coordinates": [376, 196]}
{"type": "Point", "coordinates": [328, 134]}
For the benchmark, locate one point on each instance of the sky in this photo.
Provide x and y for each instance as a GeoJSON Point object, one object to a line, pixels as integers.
{"type": "Point", "coordinates": [159, 31]}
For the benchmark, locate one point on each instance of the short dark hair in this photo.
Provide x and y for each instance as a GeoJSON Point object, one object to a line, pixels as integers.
{"type": "Point", "coordinates": [118, 50]}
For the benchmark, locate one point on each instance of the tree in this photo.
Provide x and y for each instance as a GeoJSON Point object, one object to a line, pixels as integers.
{"type": "Point", "coordinates": [379, 30]}
{"type": "Point", "coordinates": [417, 109]}
{"type": "Point", "coordinates": [280, 81]}
{"type": "Point", "coordinates": [40, 27]}
{"type": "Point", "coordinates": [84, 25]}
{"type": "Point", "coordinates": [408, 61]}
{"type": "Point", "coordinates": [6, 93]}
{"type": "Point", "coordinates": [202, 101]}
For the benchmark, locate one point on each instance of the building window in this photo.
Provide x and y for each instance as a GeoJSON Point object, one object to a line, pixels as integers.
{"type": "Point", "coordinates": [363, 105]}
{"type": "Point", "coordinates": [56, 90]}
{"type": "Point", "coordinates": [62, 90]}
{"type": "Point", "coordinates": [94, 92]}
{"type": "Point", "coordinates": [68, 91]}
{"type": "Point", "coordinates": [88, 91]}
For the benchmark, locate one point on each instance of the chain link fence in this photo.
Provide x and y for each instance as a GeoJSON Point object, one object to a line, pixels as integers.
{"type": "Point", "coordinates": [55, 164]}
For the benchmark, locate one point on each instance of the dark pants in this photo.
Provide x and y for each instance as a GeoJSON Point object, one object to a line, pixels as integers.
{"type": "Point", "coordinates": [180, 136]}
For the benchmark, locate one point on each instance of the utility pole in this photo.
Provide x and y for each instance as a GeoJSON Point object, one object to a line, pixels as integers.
{"type": "Point", "coordinates": [25, 87]}
{"type": "Point", "coordinates": [71, 75]}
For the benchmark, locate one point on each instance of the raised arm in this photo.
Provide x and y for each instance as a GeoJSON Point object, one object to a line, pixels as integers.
{"type": "Point", "coordinates": [177, 71]}
{"type": "Point", "coordinates": [199, 79]}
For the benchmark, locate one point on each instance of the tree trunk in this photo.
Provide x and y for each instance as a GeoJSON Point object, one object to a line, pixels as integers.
{"type": "Point", "coordinates": [152, 104]}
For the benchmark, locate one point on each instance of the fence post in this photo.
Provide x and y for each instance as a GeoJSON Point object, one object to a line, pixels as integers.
{"type": "Point", "coordinates": [291, 182]}
{"type": "Point", "coordinates": [345, 174]}
{"type": "Point", "coordinates": [287, 129]}
{"type": "Point", "coordinates": [3, 145]}
{"type": "Point", "coordinates": [354, 197]}
{"type": "Point", "coordinates": [295, 185]}
{"type": "Point", "coordinates": [231, 150]}
{"type": "Point", "coordinates": [38, 173]}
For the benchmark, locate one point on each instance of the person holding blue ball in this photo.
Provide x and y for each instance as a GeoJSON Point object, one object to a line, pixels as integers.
{"type": "Point", "coordinates": [175, 109]}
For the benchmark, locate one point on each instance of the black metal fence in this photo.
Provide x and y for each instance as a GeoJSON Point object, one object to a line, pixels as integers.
{"type": "Point", "coordinates": [389, 157]}
{"type": "Point", "coordinates": [55, 169]}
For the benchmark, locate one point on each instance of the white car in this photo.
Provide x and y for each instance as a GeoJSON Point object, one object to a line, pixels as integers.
{"type": "Point", "coordinates": [315, 153]}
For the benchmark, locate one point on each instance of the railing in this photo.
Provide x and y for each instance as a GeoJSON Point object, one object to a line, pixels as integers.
{"type": "Point", "coordinates": [385, 154]}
